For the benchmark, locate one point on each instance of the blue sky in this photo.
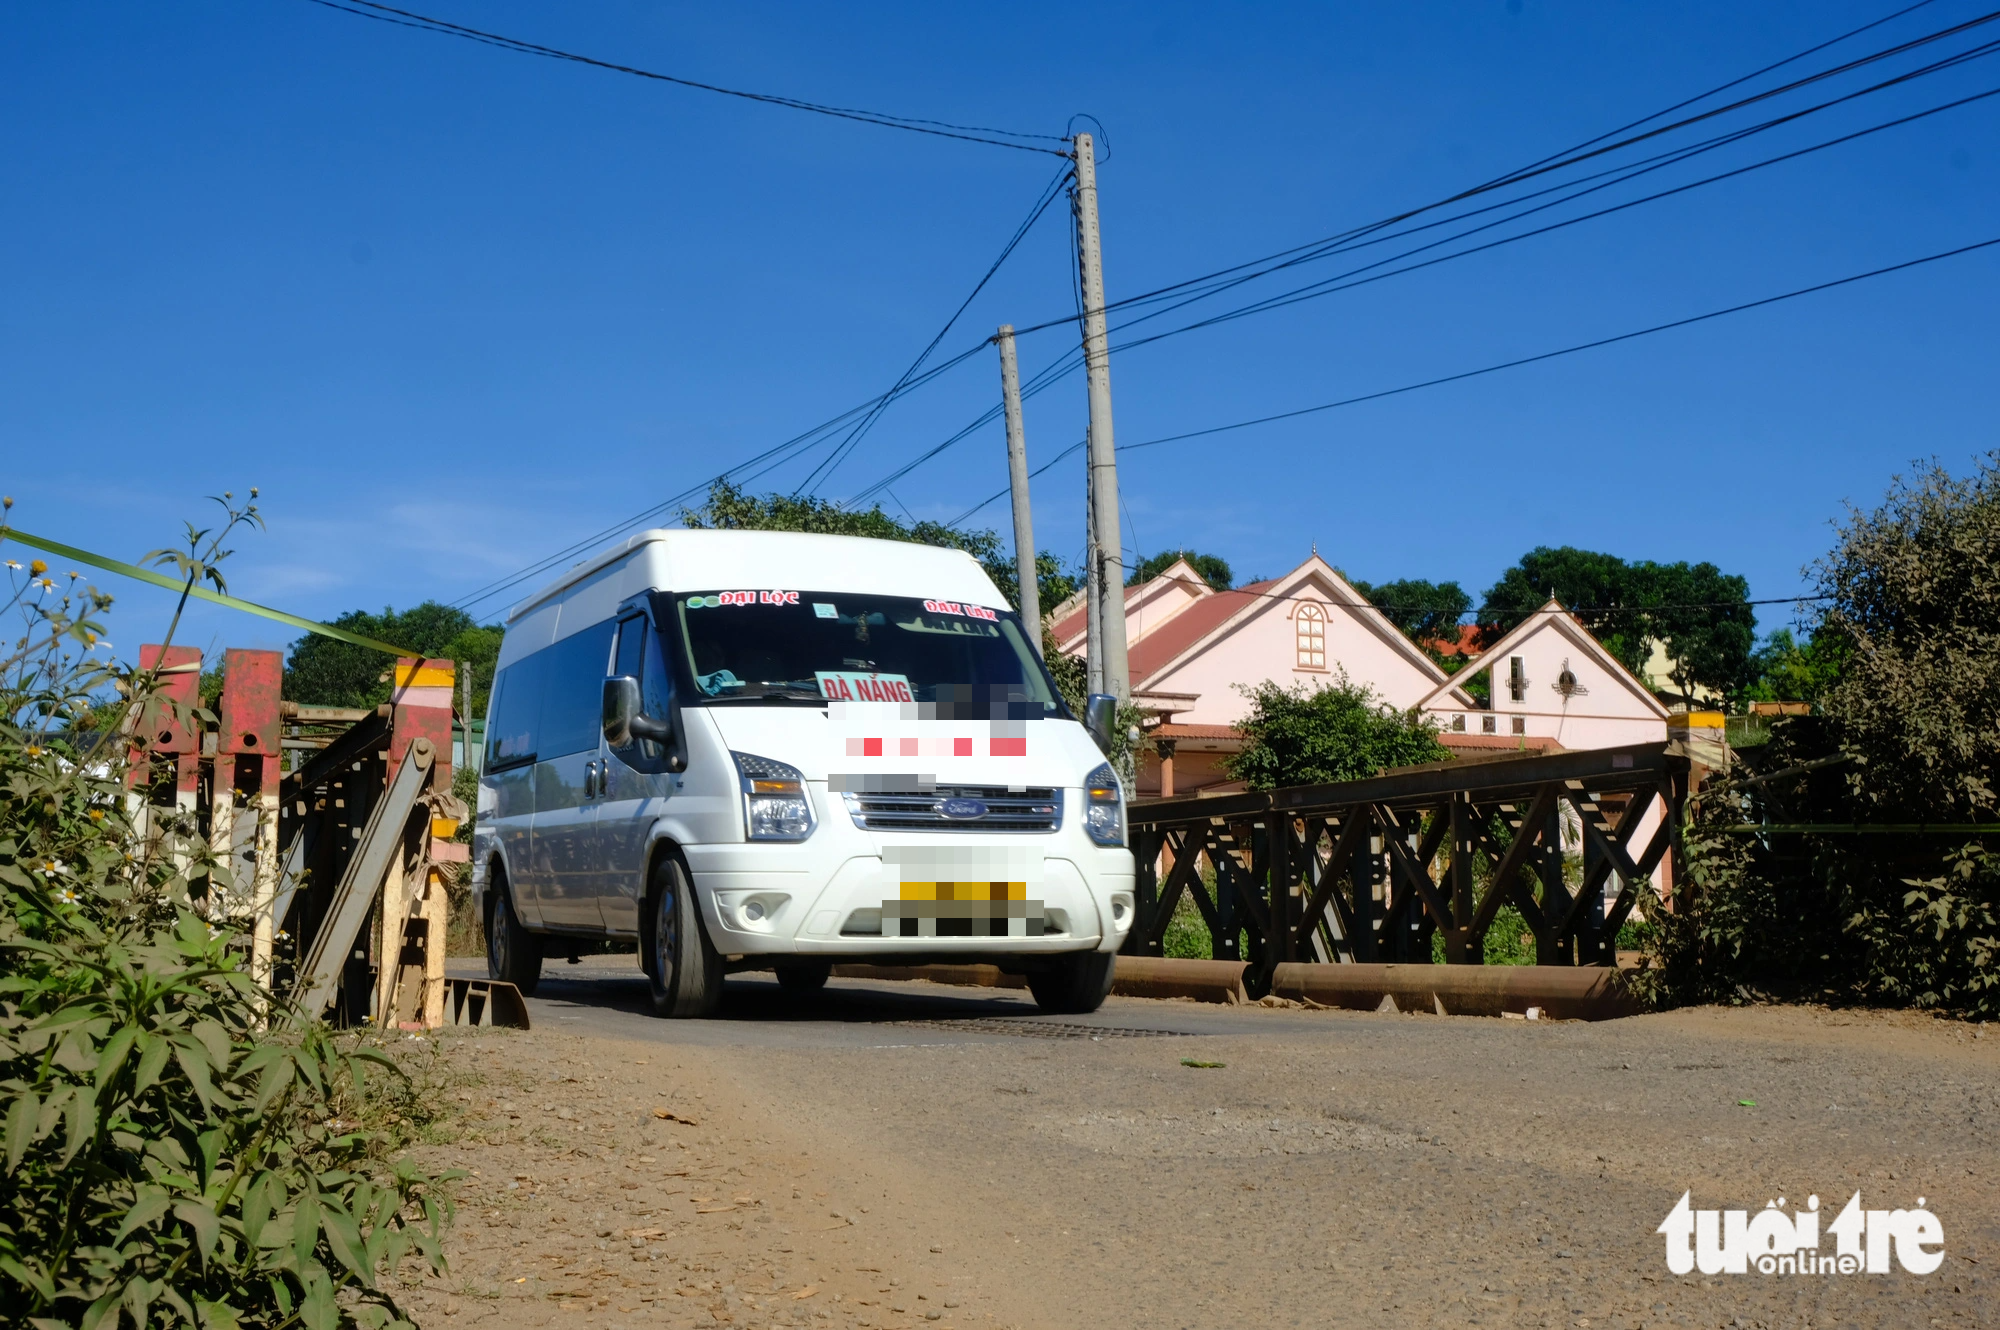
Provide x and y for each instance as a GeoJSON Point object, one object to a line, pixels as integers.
{"type": "Point", "coordinates": [453, 308]}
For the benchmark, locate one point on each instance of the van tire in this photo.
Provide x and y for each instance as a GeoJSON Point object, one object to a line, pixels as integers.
{"type": "Point", "coordinates": [513, 954]}
{"type": "Point", "coordinates": [683, 971]}
{"type": "Point", "coordinates": [804, 978]}
{"type": "Point", "coordinates": [1073, 985]}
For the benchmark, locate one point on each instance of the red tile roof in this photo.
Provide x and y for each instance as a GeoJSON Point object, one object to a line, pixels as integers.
{"type": "Point", "coordinates": [1172, 731]}
{"type": "Point", "coordinates": [1467, 643]}
{"type": "Point", "coordinates": [1188, 627]}
{"type": "Point", "coordinates": [1526, 743]}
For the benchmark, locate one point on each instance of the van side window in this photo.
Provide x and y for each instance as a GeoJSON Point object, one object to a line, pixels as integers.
{"type": "Point", "coordinates": [572, 690]}
{"type": "Point", "coordinates": [639, 657]}
{"type": "Point", "coordinates": [631, 649]}
{"type": "Point", "coordinates": [510, 716]}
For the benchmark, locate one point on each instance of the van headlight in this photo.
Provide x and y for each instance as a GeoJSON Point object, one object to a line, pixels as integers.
{"type": "Point", "coordinates": [1104, 807]}
{"type": "Point", "coordinates": [775, 806]}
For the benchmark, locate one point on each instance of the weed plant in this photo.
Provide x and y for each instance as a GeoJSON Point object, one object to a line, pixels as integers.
{"type": "Point", "coordinates": [179, 1147]}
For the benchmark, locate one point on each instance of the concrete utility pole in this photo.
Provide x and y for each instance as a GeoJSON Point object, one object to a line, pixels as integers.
{"type": "Point", "coordinates": [1017, 481]}
{"type": "Point", "coordinates": [1108, 561]}
{"type": "Point", "coordinates": [1093, 595]}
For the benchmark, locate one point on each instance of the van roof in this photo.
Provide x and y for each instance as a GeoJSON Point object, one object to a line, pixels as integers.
{"type": "Point", "coordinates": [894, 561]}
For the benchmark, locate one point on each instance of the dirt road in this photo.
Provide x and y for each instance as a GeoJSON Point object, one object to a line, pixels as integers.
{"type": "Point", "coordinates": [896, 1155]}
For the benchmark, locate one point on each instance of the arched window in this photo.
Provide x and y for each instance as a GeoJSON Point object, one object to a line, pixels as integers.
{"type": "Point", "coordinates": [1312, 637]}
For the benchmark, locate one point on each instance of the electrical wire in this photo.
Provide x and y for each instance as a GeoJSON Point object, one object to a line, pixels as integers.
{"type": "Point", "coordinates": [770, 457]}
{"type": "Point", "coordinates": [1339, 282]}
{"type": "Point", "coordinates": [1072, 360]}
{"type": "Point", "coordinates": [1515, 363]}
{"type": "Point", "coordinates": [846, 447]}
{"type": "Point", "coordinates": [1585, 152]}
{"type": "Point", "coordinates": [1386, 607]}
{"type": "Point", "coordinates": [404, 18]}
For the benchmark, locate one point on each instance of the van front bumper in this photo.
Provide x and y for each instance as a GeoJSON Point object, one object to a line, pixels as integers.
{"type": "Point", "coordinates": [831, 900]}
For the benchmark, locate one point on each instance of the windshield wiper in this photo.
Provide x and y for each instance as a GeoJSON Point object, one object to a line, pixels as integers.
{"type": "Point", "coordinates": [777, 692]}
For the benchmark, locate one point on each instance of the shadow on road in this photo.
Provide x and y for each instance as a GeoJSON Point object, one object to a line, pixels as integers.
{"type": "Point", "coordinates": [756, 996]}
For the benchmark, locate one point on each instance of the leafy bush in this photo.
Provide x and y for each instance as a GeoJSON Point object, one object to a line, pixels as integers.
{"type": "Point", "coordinates": [1905, 660]}
{"type": "Point", "coordinates": [178, 1148]}
{"type": "Point", "coordinates": [1340, 732]}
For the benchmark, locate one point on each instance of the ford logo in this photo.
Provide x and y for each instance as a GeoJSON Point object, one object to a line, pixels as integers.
{"type": "Point", "coordinates": [960, 810]}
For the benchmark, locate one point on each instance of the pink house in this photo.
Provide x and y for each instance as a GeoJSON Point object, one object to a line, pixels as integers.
{"type": "Point", "coordinates": [1551, 681]}
{"type": "Point", "coordinates": [1192, 648]}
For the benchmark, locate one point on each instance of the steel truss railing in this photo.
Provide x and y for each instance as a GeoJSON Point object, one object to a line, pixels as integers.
{"type": "Point", "coordinates": [1371, 870]}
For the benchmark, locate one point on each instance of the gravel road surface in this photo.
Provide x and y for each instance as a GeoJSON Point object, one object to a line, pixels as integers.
{"type": "Point", "coordinates": [905, 1154]}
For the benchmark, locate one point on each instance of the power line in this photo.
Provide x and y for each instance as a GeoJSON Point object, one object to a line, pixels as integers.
{"type": "Point", "coordinates": [1572, 350]}
{"type": "Point", "coordinates": [1386, 608]}
{"type": "Point", "coordinates": [1737, 82]}
{"type": "Point", "coordinates": [1517, 363]}
{"type": "Point", "coordinates": [1586, 152]}
{"type": "Point", "coordinates": [771, 457]}
{"type": "Point", "coordinates": [1338, 283]}
{"type": "Point", "coordinates": [404, 18]}
{"type": "Point", "coordinates": [847, 446]}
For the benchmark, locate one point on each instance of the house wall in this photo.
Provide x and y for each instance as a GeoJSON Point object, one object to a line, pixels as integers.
{"type": "Point", "coordinates": [1194, 772]}
{"type": "Point", "coordinates": [1266, 647]}
{"type": "Point", "coordinates": [1606, 714]}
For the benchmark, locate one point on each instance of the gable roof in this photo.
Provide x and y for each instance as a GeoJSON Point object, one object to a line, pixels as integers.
{"type": "Point", "coordinates": [1170, 640]}
{"type": "Point", "coordinates": [1199, 626]}
{"type": "Point", "coordinates": [1070, 620]}
{"type": "Point", "coordinates": [1554, 616]}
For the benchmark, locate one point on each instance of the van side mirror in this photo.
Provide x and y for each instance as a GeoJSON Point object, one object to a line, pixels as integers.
{"type": "Point", "coordinates": [1100, 713]}
{"type": "Point", "coordinates": [621, 708]}
{"type": "Point", "coordinates": [624, 721]}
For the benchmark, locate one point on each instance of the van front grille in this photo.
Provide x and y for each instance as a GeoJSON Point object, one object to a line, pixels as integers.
{"type": "Point", "coordinates": [952, 808]}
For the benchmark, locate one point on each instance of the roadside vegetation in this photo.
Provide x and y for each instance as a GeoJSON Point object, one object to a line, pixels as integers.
{"type": "Point", "coordinates": [179, 1147]}
{"type": "Point", "coordinates": [1902, 666]}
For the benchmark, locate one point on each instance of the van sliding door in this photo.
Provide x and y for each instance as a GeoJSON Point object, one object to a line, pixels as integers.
{"type": "Point", "coordinates": [566, 792]}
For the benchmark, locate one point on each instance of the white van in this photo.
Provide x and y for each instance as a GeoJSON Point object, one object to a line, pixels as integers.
{"type": "Point", "coordinates": [766, 750]}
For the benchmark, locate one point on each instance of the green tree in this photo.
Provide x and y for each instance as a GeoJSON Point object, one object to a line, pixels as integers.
{"type": "Point", "coordinates": [1700, 614]}
{"type": "Point", "coordinates": [1912, 593]}
{"type": "Point", "coordinates": [1339, 732]}
{"type": "Point", "coordinates": [1213, 569]}
{"type": "Point", "coordinates": [1589, 584]}
{"type": "Point", "coordinates": [328, 673]}
{"type": "Point", "coordinates": [1427, 612]}
{"type": "Point", "coordinates": [1790, 671]}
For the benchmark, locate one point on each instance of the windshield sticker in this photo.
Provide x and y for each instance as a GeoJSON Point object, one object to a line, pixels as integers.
{"type": "Point", "coordinates": [743, 598]}
{"type": "Point", "coordinates": [825, 611]}
{"type": "Point", "coordinates": [850, 686]}
{"type": "Point", "coordinates": [960, 608]}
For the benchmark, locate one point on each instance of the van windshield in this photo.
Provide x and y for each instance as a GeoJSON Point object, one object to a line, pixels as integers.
{"type": "Point", "coordinates": [968, 662]}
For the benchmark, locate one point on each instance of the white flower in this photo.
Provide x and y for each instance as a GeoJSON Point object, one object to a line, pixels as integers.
{"type": "Point", "coordinates": [50, 867]}
{"type": "Point", "coordinates": [69, 896]}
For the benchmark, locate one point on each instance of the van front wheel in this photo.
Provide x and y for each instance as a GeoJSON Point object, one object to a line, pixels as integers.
{"type": "Point", "coordinates": [686, 973]}
{"type": "Point", "coordinates": [513, 954]}
{"type": "Point", "coordinates": [1073, 985]}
